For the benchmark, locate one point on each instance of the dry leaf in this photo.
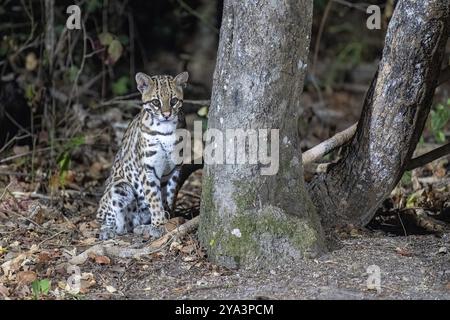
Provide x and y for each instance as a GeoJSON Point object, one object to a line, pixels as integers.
{"type": "Point", "coordinates": [403, 251]}
{"type": "Point", "coordinates": [43, 257]}
{"type": "Point", "coordinates": [173, 223]}
{"type": "Point", "coordinates": [4, 291]}
{"type": "Point", "coordinates": [86, 230]}
{"type": "Point", "coordinates": [179, 290]}
{"type": "Point", "coordinates": [189, 258]}
{"type": "Point", "coordinates": [12, 266]}
{"type": "Point", "coordinates": [88, 241]}
{"type": "Point", "coordinates": [31, 61]}
{"type": "Point", "coordinates": [20, 149]}
{"type": "Point", "coordinates": [96, 169]}
{"type": "Point", "coordinates": [102, 260]}
{"type": "Point", "coordinates": [158, 243]}
{"type": "Point", "coordinates": [26, 277]}
{"type": "Point", "coordinates": [188, 249]}
{"type": "Point", "coordinates": [87, 281]}
{"type": "Point", "coordinates": [175, 246]}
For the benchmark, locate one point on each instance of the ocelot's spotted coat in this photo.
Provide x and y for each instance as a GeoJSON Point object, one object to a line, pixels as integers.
{"type": "Point", "coordinates": [143, 184]}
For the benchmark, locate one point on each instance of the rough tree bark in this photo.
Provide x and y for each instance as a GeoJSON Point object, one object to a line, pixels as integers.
{"type": "Point", "coordinates": [248, 218]}
{"type": "Point", "coordinates": [393, 117]}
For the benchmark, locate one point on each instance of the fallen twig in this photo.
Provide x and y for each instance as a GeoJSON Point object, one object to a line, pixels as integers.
{"type": "Point", "coordinates": [29, 153]}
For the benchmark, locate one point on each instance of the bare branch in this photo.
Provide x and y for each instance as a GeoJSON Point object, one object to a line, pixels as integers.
{"type": "Point", "coordinates": [444, 76]}
{"type": "Point", "coordinates": [329, 145]}
{"type": "Point", "coordinates": [340, 138]}
{"type": "Point", "coordinates": [428, 157]}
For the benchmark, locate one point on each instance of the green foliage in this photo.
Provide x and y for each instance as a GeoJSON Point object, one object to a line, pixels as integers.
{"type": "Point", "coordinates": [40, 287]}
{"type": "Point", "coordinates": [121, 86]}
{"type": "Point", "coordinates": [93, 5]}
{"type": "Point", "coordinates": [4, 48]}
{"type": "Point", "coordinates": [412, 200]}
{"type": "Point", "coordinates": [350, 55]}
{"type": "Point", "coordinates": [406, 178]}
{"type": "Point", "coordinates": [59, 28]}
{"type": "Point", "coordinates": [439, 118]}
{"type": "Point", "coordinates": [105, 38]}
{"type": "Point", "coordinates": [123, 38]}
{"type": "Point", "coordinates": [203, 114]}
{"type": "Point", "coordinates": [115, 50]}
{"type": "Point", "coordinates": [30, 93]}
{"type": "Point", "coordinates": [72, 73]}
{"type": "Point", "coordinates": [76, 142]}
{"type": "Point", "coordinates": [114, 46]}
{"type": "Point", "coordinates": [320, 4]}
{"type": "Point", "coordinates": [64, 158]}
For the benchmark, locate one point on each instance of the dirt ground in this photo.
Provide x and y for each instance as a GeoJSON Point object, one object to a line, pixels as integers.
{"type": "Point", "coordinates": [414, 267]}
{"type": "Point", "coordinates": [411, 267]}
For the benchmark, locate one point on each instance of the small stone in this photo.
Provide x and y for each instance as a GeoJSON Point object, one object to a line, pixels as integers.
{"type": "Point", "coordinates": [442, 250]}
{"type": "Point", "coordinates": [111, 289]}
{"type": "Point", "coordinates": [236, 232]}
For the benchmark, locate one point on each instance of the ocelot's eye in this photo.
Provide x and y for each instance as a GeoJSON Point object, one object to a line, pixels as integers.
{"type": "Point", "coordinates": [173, 101]}
{"type": "Point", "coordinates": [156, 103]}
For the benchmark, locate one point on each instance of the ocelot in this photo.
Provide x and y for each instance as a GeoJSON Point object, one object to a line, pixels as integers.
{"type": "Point", "coordinates": [142, 188]}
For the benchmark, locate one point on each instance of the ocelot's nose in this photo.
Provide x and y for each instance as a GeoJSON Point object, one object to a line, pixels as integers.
{"type": "Point", "coordinates": [166, 114]}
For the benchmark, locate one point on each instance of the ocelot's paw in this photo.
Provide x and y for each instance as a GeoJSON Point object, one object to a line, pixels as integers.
{"type": "Point", "coordinates": [149, 231]}
{"type": "Point", "coordinates": [106, 234]}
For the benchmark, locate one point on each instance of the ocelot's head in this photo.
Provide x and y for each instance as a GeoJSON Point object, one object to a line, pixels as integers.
{"type": "Point", "coordinates": [162, 95]}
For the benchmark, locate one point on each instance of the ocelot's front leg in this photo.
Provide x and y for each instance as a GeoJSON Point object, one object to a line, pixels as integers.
{"type": "Point", "coordinates": [153, 201]}
{"type": "Point", "coordinates": [114, 210]}
{"type": "Point", "coordinates": [171, 189]}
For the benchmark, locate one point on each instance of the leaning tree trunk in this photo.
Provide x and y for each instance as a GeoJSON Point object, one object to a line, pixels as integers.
{"type": "Point", "coordinates": [248, 218]}
{"type": "Point", "coordinates": [393, 117]}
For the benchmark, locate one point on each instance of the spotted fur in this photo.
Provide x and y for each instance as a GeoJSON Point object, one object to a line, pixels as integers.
{"type": "Point", "coordinates": [143, 183]}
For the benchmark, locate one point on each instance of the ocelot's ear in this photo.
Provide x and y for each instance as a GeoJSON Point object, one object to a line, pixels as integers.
{"type": "Point", "coordinates": [143, 82]}
{"type": "Point", "coordinates": [181, 79]}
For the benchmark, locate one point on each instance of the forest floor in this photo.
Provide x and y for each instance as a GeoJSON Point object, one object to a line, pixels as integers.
{"type": "Point", "coordinates": [47, 222]}
{"type": "Point", "coordinates": [37, 250]}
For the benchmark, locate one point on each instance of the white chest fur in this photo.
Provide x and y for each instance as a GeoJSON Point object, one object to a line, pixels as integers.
{"type": "Point", "coordinates": [161, 138]}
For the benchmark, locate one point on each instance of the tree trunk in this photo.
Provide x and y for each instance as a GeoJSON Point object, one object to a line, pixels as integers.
{"type": "Point", "coordinates": [248, 218]}
{"type": "Point", "coordinates": [393, 116]}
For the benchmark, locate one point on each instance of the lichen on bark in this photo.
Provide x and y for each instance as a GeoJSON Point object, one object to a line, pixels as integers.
{"type": "Point", "coordinates": [255, 236]}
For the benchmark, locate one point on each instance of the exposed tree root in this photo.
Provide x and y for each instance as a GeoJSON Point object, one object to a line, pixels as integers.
{"type": "Point", "coordinates": [110, 250]}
